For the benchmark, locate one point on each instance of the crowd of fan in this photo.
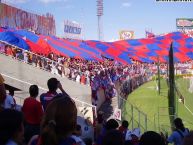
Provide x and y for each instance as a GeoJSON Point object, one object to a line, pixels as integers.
{"type": "Point", "coordinates": [53, 121]}
{"type": "Point", "coordinates": [96, 74]}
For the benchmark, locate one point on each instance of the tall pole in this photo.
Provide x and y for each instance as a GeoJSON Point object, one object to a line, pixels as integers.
{"type": "Point", "coordinates": [171, 94]}
{"type": "Point", "coordinates": [99, 30]}
{"type": "Point", "coordinates": [158, 69]}
{"type": "Point", "coordinates": [99, 15]}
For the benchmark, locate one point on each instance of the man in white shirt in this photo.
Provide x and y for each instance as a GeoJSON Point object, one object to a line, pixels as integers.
{"type": "Point", "coordinates": [78, 78]}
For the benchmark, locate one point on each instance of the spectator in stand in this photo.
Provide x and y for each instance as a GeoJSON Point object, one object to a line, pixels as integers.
{"type": "Point", "coordinates": [33, 113]}
{"type": "Point", "coordinates": [9, 100]}
{"type": "Point", "coordinates": [188, 140]}
{"type": "Point", "coordinates": [151, 138]}
{"type": "Point", "coordinates": [113, 137]}
{"type": "Point", "coordinates": [53, 84]}
{"type": "Point", "coordinates": [88, 141]}
{"type": "Point", "coordinates": [77, 77]}
{"type": "Point", "coordinates": [87, 129]}
{"type": "Point", "coordinates": [2, 92]}
{"type": "Point", "coordinates": [111, 124]}
{"type": "Point", "coordinates": [99, 123]}
{"type": "Point", "coordinates": [124, 130]}
{"type": "Point", "coordinates": [25, 56]}
{"type": "Point", "coordinates": [8, 50]}
{"type": "Point", "coordinates": [76, 135]}
{"type": "Point", "coordinates": [34, 60]}
{"type": "Point", "coordinates": [83, 79]}
{"type": "Point", "coordinates": [179, 133]}
{"type": "Point", "coordinates": [11, 127]}
{"type": "Point", "coordinates": [133, 136]}
{"type": "Point", "coordinates": [2, 47]}
{"type": "Point", "coordinates": [58, 123]}
{"type": "Point", "coordinates": [95, 84]}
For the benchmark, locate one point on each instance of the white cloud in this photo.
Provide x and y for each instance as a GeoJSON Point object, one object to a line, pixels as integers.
{"type": "Point", "coordinates": [52, 1]}
{"type": "Point", "coordinates": [15, 1]}
{"type": "Point", "coordinates": [126, 4]}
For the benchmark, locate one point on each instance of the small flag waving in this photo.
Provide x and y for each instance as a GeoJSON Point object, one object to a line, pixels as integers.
{"type": "Point", "coordinates": [149, 34]}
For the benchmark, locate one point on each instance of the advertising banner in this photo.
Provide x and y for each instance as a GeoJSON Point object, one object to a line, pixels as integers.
{"type": "Point", "coordinates": [117, 114]}
{"type": "Point", "coordinates": [72, 30]}
{"type": "Point", "coordinates": [184, 23]}
{"type": "Point", "coordinates": [16, 18]}
{"type": "Point", "coordinates": [126, 34]}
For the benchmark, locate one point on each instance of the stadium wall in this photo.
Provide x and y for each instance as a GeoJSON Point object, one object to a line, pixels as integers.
{"type": "Point", "coordinates": [16, 18]}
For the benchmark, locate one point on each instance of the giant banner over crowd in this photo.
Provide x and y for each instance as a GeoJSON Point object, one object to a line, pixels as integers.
{"type": "Point", "coordinates": [16, 18]}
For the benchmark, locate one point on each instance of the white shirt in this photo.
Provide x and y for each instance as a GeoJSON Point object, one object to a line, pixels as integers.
{"type": "Point", "coordinates": [128, 135]}
{"type": "Point", "coordinates": [78, 78]}
{"type": "Point", "coordinates": [9, 102]}
{"type": "Point", "coordinates": [78, 139]}
{"type": "Point", "coordinates": [87, 131]}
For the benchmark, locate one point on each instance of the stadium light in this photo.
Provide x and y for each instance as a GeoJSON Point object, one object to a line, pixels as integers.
{"type": "Point", "coordinates": [99, 15]}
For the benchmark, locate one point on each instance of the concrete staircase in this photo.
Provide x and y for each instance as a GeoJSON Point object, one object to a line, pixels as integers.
{"type": "Point", "coordinates": [108, 107]}
{"type": "Point", "coordinates": [21, 75]}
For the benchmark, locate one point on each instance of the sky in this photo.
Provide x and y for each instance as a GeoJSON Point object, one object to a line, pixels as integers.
{"type": "Point", "coordinates": [135, 15]}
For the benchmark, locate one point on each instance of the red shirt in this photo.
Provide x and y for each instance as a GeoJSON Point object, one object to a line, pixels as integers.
{"type": "Point", "coordinates": [32, 110]}
{"type": "Point", "coordinates": [83, 79]}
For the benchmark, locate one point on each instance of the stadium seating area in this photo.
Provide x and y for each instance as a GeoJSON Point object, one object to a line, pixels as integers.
{"type": "Point", "coordinates": [96, 74]}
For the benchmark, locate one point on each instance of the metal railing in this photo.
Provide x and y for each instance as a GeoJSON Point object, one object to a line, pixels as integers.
{"type": "Point", "coordinates": [49, 62]}
{"type": "Point", "coordinates": [136, 118]}
{"type": "Point", "coordinates": [79, 103]}
{"type": "Point", "coordinates": [20, 100]}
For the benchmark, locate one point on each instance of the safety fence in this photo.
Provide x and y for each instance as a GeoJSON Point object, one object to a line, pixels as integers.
{"type": "Point", "coordinates": [84, 109]}
{"type": "Point", "coordinates": [135, 117]}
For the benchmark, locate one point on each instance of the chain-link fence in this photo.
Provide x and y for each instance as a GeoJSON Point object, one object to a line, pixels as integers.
{"type": "Point", "coordinates": [135, 117]}
{"type": "Point", "coordinates": [138, 119]}
{"type": "Point", "coordinates": [162, 120]}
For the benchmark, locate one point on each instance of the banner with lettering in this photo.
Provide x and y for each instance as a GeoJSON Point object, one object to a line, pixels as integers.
{"type": "Point", "coordinates": [16, 18]}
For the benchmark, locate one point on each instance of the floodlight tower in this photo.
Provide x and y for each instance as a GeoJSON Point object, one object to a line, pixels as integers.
{"type": "Point", "coordinates": [99, 15]}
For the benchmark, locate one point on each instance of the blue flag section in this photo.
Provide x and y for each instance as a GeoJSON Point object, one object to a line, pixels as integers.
{"type": "Point", "coordinates": [144, 50]}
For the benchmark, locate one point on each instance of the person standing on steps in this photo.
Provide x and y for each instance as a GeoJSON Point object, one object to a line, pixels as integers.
{"type": "Point", "coordinates": [53, 84]}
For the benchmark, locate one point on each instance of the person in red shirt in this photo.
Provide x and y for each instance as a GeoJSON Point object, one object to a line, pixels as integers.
{"type": "Point", "coordinates": [83, 79]}
{"type": "Point", "coordinates": [33, 112]}
{"type": "Point", "coordinates": [124, 128]}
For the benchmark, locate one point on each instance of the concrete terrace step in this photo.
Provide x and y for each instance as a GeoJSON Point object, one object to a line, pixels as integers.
{"type": "Point", "coordinates": [108, 107]}
{"type": "Point", "coordinates": [21, 75]}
